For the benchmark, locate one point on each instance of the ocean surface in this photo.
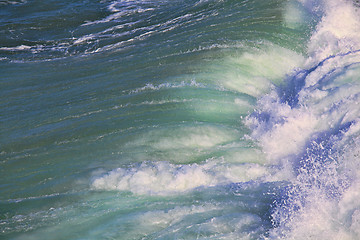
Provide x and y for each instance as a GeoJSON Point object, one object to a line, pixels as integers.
{"type": "Point", "coordinates": [179, 119]}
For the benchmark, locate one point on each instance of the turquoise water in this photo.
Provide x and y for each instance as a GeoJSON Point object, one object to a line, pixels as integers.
{"type": "Point", "coordinates": [179, 119]}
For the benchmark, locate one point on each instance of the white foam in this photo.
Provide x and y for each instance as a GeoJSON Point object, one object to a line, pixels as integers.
{"type": "Point", "coordinates": [163, 178]}
{"type": "Point", "coordinates": [338, 31]}
{"type": "Point", "coordinates": [281, 131]}
{"type": "Point", "coordinates": [313, 136]}
{"type": "Point", "coordinates": [315, 212]}
{"type": "Point", "coordinates": [17, 48]}
{"type": "Point", "coordinates": [326, 99]}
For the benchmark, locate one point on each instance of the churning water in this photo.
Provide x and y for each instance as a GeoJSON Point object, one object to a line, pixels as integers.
{"type": "Point", "coordinates": [180, 119]}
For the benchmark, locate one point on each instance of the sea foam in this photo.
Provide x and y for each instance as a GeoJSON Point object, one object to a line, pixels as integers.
{"type": "Point", "coordinates": [163, 178]}
{"type": "Point", "coordinates": [309, 127]}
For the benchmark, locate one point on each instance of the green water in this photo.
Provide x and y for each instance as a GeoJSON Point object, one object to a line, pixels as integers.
{"type": "Point", "coordinates": [126, 119]}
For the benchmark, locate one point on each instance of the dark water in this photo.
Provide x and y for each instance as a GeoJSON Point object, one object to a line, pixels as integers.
{"type": "Point", "coordinates": [179, 119]}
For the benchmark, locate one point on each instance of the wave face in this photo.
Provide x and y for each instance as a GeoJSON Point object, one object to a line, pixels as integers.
{"type": "Point", "coordinates": [180, 119]}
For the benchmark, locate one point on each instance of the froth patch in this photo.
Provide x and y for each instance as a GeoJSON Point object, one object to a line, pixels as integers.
{"type": "Point", "coordinates": [309, 128]}
{"type": "Point", "coordinates": [281, 130]}
{"type": "Point", "coordinates": [288, 118]}
{"type": "Point", "coordinates": [338, 31]}
{"type": "Point", "coordinates": [163, 178]}
{"type": "Point", "coordinates": [318, 216]}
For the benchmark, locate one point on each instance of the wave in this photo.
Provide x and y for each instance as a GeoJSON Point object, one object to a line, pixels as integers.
{"type": "Point", "coordinates": [298, 142]}
{"type": "Point", "coordinates": [310, 129]}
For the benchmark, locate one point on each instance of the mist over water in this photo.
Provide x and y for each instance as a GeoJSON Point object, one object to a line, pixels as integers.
{"type": "Point", "coordinates": [180, 119]}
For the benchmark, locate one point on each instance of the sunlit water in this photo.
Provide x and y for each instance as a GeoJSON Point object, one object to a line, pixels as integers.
{"type": "Point", "coordinates": [180, 119]}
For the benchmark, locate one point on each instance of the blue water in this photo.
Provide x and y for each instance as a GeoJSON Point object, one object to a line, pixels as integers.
{"type": "Point", "coordinates": [179, 119]}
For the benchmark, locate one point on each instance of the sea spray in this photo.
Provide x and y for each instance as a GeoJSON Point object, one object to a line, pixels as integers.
{"type": "Point", "coordinates": [179, 120]}
{"type": "Point", "coordinates": [304, 126]}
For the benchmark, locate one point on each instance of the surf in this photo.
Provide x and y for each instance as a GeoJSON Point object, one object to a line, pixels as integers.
{"type": "Point", "coordinates": [212, 120]}
{"type": "Point", "coordinates": [309, 130]}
